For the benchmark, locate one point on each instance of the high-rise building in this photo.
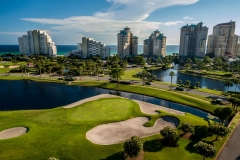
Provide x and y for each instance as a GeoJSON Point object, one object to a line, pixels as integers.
{"type": "Point", "coordinates": [127, 43]}
{"type": "Point", "coordinates": [155, 45]}
{"type": "Point", "coordinates": [193, 40]}
{"type": "Point", "coordinates": [223, 41]}
{"type": "Point", "coordinates": [37, 42]}
{"type": "Point", "coordinates": [90, 47]}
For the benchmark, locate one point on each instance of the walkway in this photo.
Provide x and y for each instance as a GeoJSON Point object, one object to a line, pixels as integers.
{"type": "Point", "coordinates": [231, 150]}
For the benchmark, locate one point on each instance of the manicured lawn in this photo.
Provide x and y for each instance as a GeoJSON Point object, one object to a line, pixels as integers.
{"type": "Point", "coordinates": [103, 110]}
{"type": "Point", "coordinates": [128, 74]}
{"type": "Point", "coordinates": [61, 132]}
{"type": "Point", "coordinates": [163, 94]}
{"type": "Point", "coordinates": [210, 91]}
{"type": "Point", "coordinates": [11, 64]}
{"type": "Point", "coordinates": [2, 70]}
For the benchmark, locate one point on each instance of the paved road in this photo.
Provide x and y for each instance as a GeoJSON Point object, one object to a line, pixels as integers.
{"type": "Point", "coordinates": [192, 91]}
{"type": "Point", "coordinates": [231, 150]}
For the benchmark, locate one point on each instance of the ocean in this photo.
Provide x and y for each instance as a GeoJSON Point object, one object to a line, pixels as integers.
{"type": "Point", "coordinates": [63, 49]}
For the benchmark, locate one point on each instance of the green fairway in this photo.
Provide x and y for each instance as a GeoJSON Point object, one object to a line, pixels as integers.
{"type": "Point", "coordinates": [103, 110]}
{"type": "Point", "coordinates": [61, 132]}
{"type": "Point", "coordinates": [128, 74]}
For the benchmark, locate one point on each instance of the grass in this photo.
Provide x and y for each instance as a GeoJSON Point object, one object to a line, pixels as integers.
{"type": "Point", "coordinates": [61, 132]}
{"type": "Point", "coordinates": [163, 94]}
{"type": "Point", "coordinates": [11, 64]}
{"type": "Point", "coordinates": [216, 92]}
{"type": "Point", "coordinates": [2, 70]}
{"type": "Point", "coordinates": [128, 74]}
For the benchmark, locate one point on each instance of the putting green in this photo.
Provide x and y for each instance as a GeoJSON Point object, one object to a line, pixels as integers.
{"type": "Point", "coordinates": [102, 110]}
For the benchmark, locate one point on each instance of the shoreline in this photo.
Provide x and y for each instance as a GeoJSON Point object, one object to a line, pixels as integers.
{"type": "Point", "coordinates": [124, 88]}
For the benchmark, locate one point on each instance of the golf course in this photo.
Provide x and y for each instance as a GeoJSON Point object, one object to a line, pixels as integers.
{"type": "Point", "coordinates": [61, 132]}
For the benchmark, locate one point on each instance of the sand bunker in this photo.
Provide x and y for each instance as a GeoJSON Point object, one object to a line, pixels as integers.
{"type": "Point", "coordinates": [152, 108]}
{"type": "Point", "coordinates": [13, 132]}
{"type": "Point", "coordinates": [113, 133]}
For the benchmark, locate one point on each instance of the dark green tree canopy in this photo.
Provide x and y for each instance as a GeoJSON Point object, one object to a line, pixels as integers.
{"type": "Point", "coordinates": [133, 146]}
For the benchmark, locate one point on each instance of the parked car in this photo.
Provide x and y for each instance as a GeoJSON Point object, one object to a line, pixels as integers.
{"type": "Point", "coordinates": [179, 89]}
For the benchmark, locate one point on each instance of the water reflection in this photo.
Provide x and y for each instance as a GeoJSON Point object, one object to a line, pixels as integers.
{"type": "Point", "coordinates": [205, 82]}
{"type": "Point", "coordinates": [23, 95]}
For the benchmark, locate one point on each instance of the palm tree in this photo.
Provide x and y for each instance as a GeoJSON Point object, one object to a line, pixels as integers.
{"type": "Point", "coordinates": [40, 69]}
{"type": "Point", "coordinates": [171, 74]}
{"type": "Point", "coordinates": [236, 82]}
{"type": "Point", "coordinates": [116, 73]}
{"type": "Point", "coordinates": [198, 84]}
{"type": "Point", "coordinates": [143, 75]}
{"type": "Point", "coordinates": [50, 69]}
{"type": "Point", "coordinates": [22, 67]}
{"type": "Point", "coordinates": [80, 70]}
{"type": "Point", "coordinates": [179, 82]}
{"type": "Point", "coordinates": [187, 83]}
{"type": "Point", "coordinates": [6, 66]}
{"type": "Point", "coordinates": [228, 84]}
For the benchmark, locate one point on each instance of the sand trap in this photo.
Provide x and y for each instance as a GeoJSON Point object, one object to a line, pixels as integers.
{"type": "Point", "coordinates": [113, 133]}
{"type": "Point", "coordinates": [13, 132]}
{"type": "Point", "coordinates": [152, 108]}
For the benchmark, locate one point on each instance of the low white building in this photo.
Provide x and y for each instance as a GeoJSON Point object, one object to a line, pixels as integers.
{"type": "Point", "coordinates": [37, 42]}
{"type": "Point", "coordinates": [89, 47]}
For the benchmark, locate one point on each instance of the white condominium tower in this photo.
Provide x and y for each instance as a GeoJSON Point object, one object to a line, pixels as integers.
{"type": "Point", "coordinates": [89, 47]}
{"type": "Point", "coordinates": [37, 42]}
{"type": "Point", "coordinates": [193, 40]}
{"type": "Point", "coordinates": [223, 41]}
{"type": "Point", "coordinates": [127, 43]}
{"type": "Point", "coordinates": [155, 45]}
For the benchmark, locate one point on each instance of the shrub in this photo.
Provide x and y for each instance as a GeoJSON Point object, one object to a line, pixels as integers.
{"type": "Point", "coordinates": [133, 146]}
{"type": "Point", "coordinates": [228, 75]}
{"type": "Point", "coordinates": [218, 130]}
{"type": "Point", "coordinates": [168, 133]}
{"type": "Point", "coordinates": [187, 128]}
{"type": "Point", "coordinates": [204, 149]}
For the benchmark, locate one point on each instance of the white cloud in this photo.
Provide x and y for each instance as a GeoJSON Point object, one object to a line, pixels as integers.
{"type": "Point", "coordinates": [173, 23]}
{"type": "Point", "coordinates": [138, 10]}
{"type": "Point", "coordinates": [122, 13]}
{"type": "Point", "coordinates": [13, 33]}
{"type": "Point", "coordinates": [190, 18]}
{"type": "Point", "coordinates": [95, 24]}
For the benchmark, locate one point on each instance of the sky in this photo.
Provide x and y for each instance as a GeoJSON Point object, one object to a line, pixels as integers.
{"type": "Point", "coordinates": [67, 21]}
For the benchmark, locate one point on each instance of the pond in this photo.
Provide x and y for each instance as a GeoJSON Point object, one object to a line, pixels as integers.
{"type": "Point", "coordinates": [163, 75]}
{"type": "Point", "coordinates": [25, 94]}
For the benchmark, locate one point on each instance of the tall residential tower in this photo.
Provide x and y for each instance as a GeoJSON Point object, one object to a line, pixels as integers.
{"type": "Point", "coordinates": [193, 40]}
{"type": "Point", "coordinates": [223, 41]}
{"type": "Point", "coordinates": [155, 45]}
{"type": "Point", "coordinates": [37, 42]}
{"type": "Point", "coordinates": [127, 43]}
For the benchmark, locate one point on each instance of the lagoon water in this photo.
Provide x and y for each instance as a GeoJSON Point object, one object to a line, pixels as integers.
{"type": "Point", "coordinates": [163, 75]}
{"type": "Point", "coordinates": [25, 94]}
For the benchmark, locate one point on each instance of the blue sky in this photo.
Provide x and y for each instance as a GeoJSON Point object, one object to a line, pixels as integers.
{"type": "Point", "coordinates": [67, 21]}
